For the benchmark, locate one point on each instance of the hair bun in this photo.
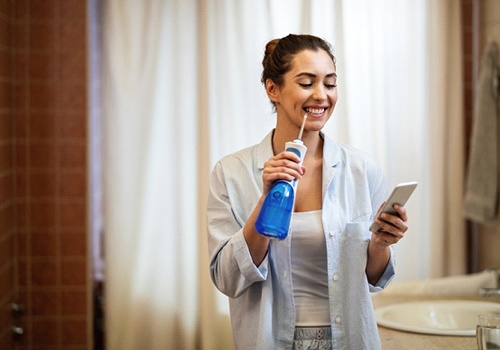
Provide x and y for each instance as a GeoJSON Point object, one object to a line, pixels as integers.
{"type": "Point", "coordinates": [270, 46]}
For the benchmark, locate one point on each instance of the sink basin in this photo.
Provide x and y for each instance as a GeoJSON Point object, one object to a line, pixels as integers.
{"type": "Point", "coordinates": [440, 317]}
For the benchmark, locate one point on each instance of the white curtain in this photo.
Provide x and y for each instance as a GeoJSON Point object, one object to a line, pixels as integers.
{"type": "Point", "coordinates": [181, 88]}
{"type": "Point", "coordinates": [402, 102]}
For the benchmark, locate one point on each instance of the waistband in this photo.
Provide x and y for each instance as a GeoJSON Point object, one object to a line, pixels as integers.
{"type": "Point", "coordinates": [312, 333]}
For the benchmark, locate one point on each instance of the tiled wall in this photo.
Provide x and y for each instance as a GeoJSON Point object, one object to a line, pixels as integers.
{"type": "Point", "coordinates": [489, 235]}
{"type": "Point", "coordinates": [7, 195]}
{"type": "Point", "coordinates": [43, 170]}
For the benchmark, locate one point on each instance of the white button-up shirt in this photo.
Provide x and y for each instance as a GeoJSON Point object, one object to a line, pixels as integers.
{"type": "Point", "coordinates": [261, 297]}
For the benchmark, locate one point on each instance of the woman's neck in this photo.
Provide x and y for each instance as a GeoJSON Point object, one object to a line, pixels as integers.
{"type": "Point", "coordinates": [312, 140]}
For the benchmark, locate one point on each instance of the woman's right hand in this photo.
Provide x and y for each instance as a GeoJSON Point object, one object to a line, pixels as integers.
{"type": "Point", "coordinates": [283, 166]}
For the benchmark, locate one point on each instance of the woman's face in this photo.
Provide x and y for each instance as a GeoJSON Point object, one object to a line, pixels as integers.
{"type": "Point", "coordinates": [310, 86]}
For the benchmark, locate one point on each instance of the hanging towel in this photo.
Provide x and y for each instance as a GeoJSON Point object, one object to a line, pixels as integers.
{"type": "Point", "coordinates": [481, 190]}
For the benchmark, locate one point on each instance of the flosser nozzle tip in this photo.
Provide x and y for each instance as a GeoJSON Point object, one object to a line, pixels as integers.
{"type": "Point", "coordinates": [302, 127]}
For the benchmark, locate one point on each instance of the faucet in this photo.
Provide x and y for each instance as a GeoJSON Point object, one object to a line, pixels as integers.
{"type": "Point", "coordinates": [488, 292]}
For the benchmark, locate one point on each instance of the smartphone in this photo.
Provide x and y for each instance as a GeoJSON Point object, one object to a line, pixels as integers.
{"type": "Point", "coordinates": [399, 195]}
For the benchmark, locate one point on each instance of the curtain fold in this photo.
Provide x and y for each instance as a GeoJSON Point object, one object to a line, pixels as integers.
{"type": "Point", "coordinates": [182, 89]}
{"type": "Point", "coordinates": [446, 140]}
{"type": "Point", "coordinates": [150, 162]}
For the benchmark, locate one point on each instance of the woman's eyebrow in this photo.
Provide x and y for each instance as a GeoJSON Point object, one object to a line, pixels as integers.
{"type": "Point", "coordinates": [312, 75]}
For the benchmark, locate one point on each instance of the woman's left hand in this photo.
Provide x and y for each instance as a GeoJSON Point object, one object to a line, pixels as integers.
{"type": "Point", "coordinates": [392, 227]}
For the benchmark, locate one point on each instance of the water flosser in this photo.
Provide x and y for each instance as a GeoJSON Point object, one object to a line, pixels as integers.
{"type": "Point", "coordinates": [276, 213]}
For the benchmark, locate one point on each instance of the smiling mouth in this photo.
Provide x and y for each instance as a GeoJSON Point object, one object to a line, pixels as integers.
{"type": "Point", "coordinates": [315, 111]}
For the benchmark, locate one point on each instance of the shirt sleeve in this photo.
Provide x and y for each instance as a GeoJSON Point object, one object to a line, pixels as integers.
{"type": "Point", "coordinates": [387, 276]}
{"type": "Point", "coordinates": [231, 267]}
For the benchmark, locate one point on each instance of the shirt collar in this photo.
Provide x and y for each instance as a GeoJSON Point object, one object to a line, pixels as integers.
{"type": "Point", "coordinates": [265, 150]}
{"type": "Point", "coordinates": [331, 151]}
{"type": "Point", "coordinates": [331, 154]}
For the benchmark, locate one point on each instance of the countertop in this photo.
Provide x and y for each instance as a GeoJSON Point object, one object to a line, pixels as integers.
{"type": "Point", "coordinates": [397, 340]}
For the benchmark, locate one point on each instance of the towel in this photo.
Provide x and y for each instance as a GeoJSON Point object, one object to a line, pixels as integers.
{"type": "Point", "coordinates": [481, 190]}
{"type": "Point", "coordinates": [454, 285]}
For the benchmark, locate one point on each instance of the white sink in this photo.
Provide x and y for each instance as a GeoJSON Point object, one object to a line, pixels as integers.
{"type": "Point", "coordinates": [441, 317]}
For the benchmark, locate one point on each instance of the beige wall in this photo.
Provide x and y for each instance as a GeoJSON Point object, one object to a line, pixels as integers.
{"type": "Point", "coordinates": [489, 236]}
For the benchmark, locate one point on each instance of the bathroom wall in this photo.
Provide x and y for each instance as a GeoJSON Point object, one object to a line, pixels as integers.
{"type": "Point", "coordinates": [469, 14]}
{"type": "Point", "coordinates": [43, 173]}
{"type": "Point", "coordinates": [7, 195]}
{"type": "Point", "coordinates": [489, 235]}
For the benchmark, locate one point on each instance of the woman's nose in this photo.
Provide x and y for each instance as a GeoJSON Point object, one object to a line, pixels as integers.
{"type": "Point", "coordinates": [319, 93]}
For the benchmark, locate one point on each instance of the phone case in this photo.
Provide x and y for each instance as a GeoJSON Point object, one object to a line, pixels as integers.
{"type": "Point", "coordinates": [399, 195]}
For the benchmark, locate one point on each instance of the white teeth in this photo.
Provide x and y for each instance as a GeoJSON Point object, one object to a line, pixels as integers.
{"type": "Point", "coordinates": [315, 110]}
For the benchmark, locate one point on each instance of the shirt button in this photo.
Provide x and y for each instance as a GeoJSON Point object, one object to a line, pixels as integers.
{"type": "Point", "coordinates": [335, 277]}
{"type": "Point", "coordinates": [331, 233]}
{"type": "Point", "coordinates": [338, 319]}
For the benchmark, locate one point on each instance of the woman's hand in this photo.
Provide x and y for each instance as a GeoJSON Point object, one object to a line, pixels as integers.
{"type": "Point", "coordinates": [283, 166]}
{"type": "Point", "coordinates": [392, 227]}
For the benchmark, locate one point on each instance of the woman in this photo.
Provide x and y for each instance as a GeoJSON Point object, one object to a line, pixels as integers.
{"type": "Point", "coordinates": [312, 289]}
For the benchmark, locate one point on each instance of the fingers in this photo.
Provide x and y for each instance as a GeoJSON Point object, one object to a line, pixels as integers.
{"type": "Point", "coordinates": [385, 239]}
{"type": "Point", "coordinates": [392, 224]}
{"type": "Point", "coordinates": [283, 166]}
{"type": "Point", "coordinates": [392, 227]}
{"type": "Point", "coordinates": [284, 158]}
{"type": "Point", "coordinates": [282, 169]}
{"type": "Point", "coordinates": [402, 212]}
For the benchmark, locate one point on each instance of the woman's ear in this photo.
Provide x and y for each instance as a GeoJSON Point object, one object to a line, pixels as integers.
{"type": "Point", "coordinates": [272, 90]}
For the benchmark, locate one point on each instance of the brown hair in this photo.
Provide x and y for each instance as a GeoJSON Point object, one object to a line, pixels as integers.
{"type": "Point", "coordinates": [279, 54]}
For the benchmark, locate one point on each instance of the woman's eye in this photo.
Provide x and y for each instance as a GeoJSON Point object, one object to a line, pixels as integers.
{"type": "Point", "coordinates": [306, 85]}
{"type": "Point", "coordinates": [330, 86]}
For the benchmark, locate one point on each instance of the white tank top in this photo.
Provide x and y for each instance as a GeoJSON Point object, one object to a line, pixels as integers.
{"type": "Point", "coordinates": [309, 270]}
